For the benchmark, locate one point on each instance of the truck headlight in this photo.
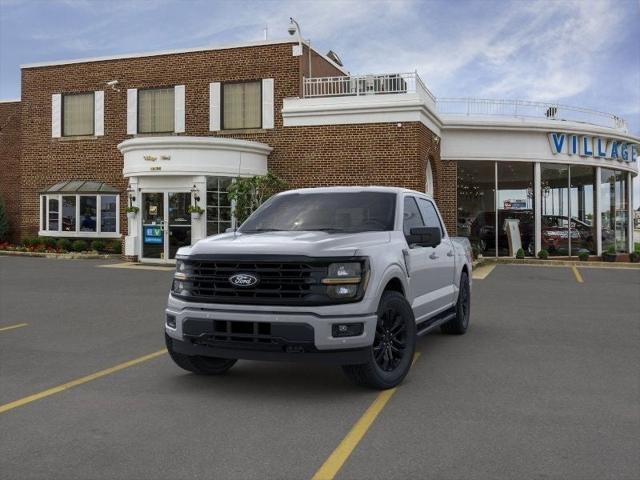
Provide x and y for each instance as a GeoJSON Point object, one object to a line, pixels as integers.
{"type": "Point", "coordinates": [343, 279]}
{"type": "Point", "coordinates": [183, 270]}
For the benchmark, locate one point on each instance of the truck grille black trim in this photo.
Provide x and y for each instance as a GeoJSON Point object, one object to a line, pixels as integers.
{"type": "Point", "coordinates": [282, 280]}
{"type": "Point", "coordinates": [251, 335]}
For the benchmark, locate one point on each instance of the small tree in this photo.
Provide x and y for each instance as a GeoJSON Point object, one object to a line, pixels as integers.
{"type": "Point", "coordinates": [4, 222]}
{"type": "Point", "coordinates": [248, 193]}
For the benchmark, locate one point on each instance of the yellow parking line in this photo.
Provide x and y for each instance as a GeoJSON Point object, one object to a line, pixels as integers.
{"type": "Point", "coordinates": [483, 271]}
{"type": "Point", "coordinates": [74, 383]}
{"type": "Point", "coordinates": [11, 327]}
{"type": "Point", "coordinates": [577, 274]}
{"type": "Point", "coordinates": [334, 463]}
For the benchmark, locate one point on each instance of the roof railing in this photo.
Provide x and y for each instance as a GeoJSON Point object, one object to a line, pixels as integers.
{"type": "Point", "coordinates": [357, 85]}
{"type": "Point", "coordinates": [404, 83]}
{"type": "Point", "coordinates": [528, 109]}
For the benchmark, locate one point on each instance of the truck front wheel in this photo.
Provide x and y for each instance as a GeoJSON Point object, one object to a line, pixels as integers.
{"type": "Point", "coordinates": [393, 345]}
{"type": "Point", "coordinates": [197, 364]}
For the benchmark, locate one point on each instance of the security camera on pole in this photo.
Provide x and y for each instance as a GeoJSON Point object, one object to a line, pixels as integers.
{"type": "Point", "coordinates": [294, 28]}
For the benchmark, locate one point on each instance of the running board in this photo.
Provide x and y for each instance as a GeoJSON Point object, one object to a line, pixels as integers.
{"type": "Point", "coordinates": [426, 326]}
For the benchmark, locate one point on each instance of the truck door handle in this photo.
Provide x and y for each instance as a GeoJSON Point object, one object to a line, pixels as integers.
{"type": "Point", "coordinates": [450, 254]}
{"type": "Point", "coordinates": [433, 256]}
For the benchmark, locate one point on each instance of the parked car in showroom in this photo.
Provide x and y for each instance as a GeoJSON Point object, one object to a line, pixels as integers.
{"type": "Point", "coordinates": [345, 275]}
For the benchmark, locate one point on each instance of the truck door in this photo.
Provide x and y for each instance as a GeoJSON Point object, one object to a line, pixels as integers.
{"type": "Point", "coordinates": [421, 280]}
{"type": "Point", "coordinates": [441, 260]}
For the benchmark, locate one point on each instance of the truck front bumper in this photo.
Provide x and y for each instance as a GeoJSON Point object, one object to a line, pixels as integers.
{"type": "Point", "coordinates": [267, 333]}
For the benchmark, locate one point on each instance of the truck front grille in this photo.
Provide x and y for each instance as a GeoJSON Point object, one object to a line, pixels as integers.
{"type": "Point", "coordinates": [278, 282]}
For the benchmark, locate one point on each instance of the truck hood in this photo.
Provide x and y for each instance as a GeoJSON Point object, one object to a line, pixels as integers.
{"type": "Point", "coordinates": [312, 244]}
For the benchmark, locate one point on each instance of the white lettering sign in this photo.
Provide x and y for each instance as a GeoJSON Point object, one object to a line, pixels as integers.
{"type": "Point", "coordinates": [597, 147]}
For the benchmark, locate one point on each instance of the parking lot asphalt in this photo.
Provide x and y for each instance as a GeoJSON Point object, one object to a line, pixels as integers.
{"type": "Point", "coordinates": [545, 384]}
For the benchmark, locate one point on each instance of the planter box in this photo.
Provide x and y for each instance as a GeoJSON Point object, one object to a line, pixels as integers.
{"type": "Point", "coordinates": [610, 257]}
{"type": "Point", "coordinates": [195, 216]}
{"type": "Point", "coordinates": [131, 216]}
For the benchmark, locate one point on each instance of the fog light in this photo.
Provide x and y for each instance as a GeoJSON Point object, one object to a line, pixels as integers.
{"type": "Point", "coordinates": [342, 291]}
{"type": "Point", "coordinates": [171, 321]}
{"type": "Point", "coordinates": [347, 329]}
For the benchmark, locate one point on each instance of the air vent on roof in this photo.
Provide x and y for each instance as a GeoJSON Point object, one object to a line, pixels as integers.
{"type": "Point", "coordinates": [333, 56]}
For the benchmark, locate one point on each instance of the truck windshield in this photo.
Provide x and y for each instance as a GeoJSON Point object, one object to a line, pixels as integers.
{"type": "Point", "coordinates": [329, 212]}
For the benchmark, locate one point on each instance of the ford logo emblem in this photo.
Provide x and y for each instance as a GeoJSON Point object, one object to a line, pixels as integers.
{"type": "Point", "coordinates": [243, 280]}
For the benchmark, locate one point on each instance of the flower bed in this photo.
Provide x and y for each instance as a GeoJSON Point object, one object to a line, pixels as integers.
{"type": "Point", "coordinates": [63, 245]}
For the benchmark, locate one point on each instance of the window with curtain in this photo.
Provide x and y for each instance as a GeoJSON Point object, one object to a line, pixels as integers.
{"type": "Point", "coordinates": [77, 114]}
{"type": "Point", "coordinates": [241, 105]}
{"type": "Point", "coordinates": [156, 110]}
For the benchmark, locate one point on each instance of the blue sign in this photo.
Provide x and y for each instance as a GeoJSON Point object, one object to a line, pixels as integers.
{"type": "Point", "coordinates": [153, 235]}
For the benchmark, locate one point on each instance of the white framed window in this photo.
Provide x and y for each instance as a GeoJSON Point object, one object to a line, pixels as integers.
{"type": "Point", "coordinates": [156, 110]}
{"type": "Point", "coordinates": [78, 114]}
{"type": "Point", "coordinates": [219, 208]}
{"type": "Point", "coordinates": [82, 215]}
{"type": "Point", "coordinates": [241, 105]}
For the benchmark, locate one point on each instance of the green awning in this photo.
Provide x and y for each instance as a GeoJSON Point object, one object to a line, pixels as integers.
{"type": "Point", "coordinates": [81, 186]}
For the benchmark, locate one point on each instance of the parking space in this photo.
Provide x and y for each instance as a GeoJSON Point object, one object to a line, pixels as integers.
{"type": "Point", "coordinates": [545, 384]}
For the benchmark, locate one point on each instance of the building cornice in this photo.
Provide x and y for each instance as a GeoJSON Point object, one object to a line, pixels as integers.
{"type": "Point", "coordinates": [194, 143]}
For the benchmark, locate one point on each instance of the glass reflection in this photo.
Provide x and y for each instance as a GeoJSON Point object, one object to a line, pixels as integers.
{"type": "Point", "coordinates": [476, 205]}
{"type": "Point", "coordinates": [516, 224]}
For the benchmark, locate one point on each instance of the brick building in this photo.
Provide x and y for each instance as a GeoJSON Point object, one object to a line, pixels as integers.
{"type": "Point", "coordinates": [161, 131]}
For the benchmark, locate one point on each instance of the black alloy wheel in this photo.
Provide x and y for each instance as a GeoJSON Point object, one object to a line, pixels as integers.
{"type": "Point", "coordinates": [389, 345]}
{"type": "Point", "coordinates": [459, 324]}
{"type": "Point", "coordinates": [393, 345]}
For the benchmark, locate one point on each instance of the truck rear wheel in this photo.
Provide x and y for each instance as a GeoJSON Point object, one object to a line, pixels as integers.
{"type": "Point", "coordinates": [393, 346]}
{"type": "Point", "coordinates": [459, 324]}
{"type": "Point", "coordinates": [197, 364]}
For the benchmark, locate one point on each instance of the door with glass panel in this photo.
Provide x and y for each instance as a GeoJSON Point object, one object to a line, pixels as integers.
{"type": "Point", "coordinates": [166, 224]}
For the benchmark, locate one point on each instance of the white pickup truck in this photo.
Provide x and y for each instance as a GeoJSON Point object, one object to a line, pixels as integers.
{"type": "Point", "coordinates": [344, 275]}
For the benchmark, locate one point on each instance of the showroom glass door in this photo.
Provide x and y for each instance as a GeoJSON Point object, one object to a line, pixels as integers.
{"type": "Point", "coordinates": [153, 215]}
{"type": "Point", "coordinates": [179, 231]}
{"type": "Point", "coordinates": [166, 224]}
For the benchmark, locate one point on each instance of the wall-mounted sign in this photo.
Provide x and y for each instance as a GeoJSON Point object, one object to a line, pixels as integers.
{"type": "Point", "coordinates": [165, 157]}
{"type": "Point", "coordinates": [515, 204]}
{"type": "Point", "coordinates": [150, 158]}
{"type": "Point", "coordinates": [152, 235]}
{"type": "Point", "coordinates": [589, 146]}
{"type": "Point", "coordinates": [155, 169]}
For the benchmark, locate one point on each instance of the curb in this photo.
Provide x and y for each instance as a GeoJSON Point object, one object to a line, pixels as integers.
{"type": "Point", "coordinates": [62, 256]}
{"type": "Point", "coordinates": [560, 263]}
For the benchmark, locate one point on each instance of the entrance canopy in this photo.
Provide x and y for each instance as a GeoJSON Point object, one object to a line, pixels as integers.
{"type": "Point", "coordinates": [81, 186]}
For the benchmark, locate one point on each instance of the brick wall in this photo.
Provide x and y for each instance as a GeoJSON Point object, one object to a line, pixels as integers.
{"type": "Point", "coordinates": [47, 160]}
{"type": "Point", "coordinates": [10, 163]}
{"type": "Point", "coordinates": [380, 154]}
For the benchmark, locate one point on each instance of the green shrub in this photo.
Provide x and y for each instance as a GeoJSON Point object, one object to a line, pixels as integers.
{"type": "Point", "coordinates": [98, 245]}
{"type": "Point", "coordinates": [29, 242]}
{"type": "Point", "coordinates": [520, 253]}
{"type": "Point", "coordinates": [64, 244]}
{"type": "Point", "coordinates": [79, 246]}
{"type": "Point", "coordinates": [115, 247]}
{"type": "Point", "coordinates": [583, 256]}
{"type": "Point", "coordinates": [48, 242]}
{"type": "Point", "coordinates": [636, 247]}
{"type": "Point", "coordinates": [543, 254]}
{"type": "Point", "coordinates": [611, 250]}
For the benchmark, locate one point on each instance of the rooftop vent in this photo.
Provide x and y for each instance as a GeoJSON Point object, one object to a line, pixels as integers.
{"type": "Point", "coordinates": [333, 56]}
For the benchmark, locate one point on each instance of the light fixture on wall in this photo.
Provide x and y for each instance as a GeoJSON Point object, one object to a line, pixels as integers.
{"type": "Point", "coordinates": [132, 197]}
{"type": "Point", "coordinates": [195, 193]}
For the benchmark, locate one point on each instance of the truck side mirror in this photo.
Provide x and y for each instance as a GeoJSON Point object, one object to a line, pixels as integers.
{"type": "Point", "coordinates": [424, 236]}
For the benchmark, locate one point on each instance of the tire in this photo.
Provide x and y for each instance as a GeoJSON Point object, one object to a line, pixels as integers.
{"type": "Point", "coordinates": [197, 364]}
{"type": "Point", "coordinates": [459, 324]}
{"type": "Point", "coordinates": [391, 353]}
